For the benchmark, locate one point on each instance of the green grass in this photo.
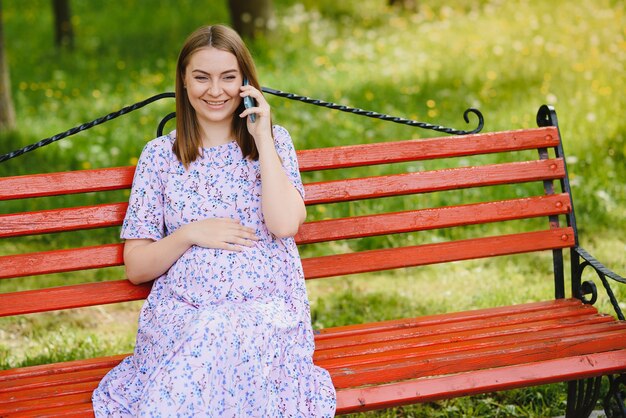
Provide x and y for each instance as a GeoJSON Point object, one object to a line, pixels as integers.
{"type": "Point", "coordinates": [505, 58]}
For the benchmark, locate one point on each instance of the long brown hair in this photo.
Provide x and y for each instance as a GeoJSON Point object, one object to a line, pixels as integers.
{"type": "Point", "coordinates": [188, 141]}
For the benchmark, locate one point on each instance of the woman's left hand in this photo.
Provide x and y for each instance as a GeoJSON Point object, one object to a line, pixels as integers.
{"type": "Point", "coordinates": [261, 127]}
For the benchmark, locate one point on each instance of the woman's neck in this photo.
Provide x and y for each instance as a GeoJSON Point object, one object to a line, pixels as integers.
{"type": "Point", "coordinates": [214, 135]}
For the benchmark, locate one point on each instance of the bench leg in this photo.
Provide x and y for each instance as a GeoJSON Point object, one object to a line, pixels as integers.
{"type": "Point", "coordinates": [614, 406]}
{"type": "Point", "coordinates": [582, 396]}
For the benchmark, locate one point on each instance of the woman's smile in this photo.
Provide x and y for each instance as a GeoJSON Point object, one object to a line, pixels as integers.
{"type": "Point", "coordinates": [213, 80]}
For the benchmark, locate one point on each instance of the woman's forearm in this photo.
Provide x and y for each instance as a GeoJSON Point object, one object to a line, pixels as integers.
{"type": "Point", "coordinates": [146, 260]}
{"type": "Point", "coordinates": [282, 205]}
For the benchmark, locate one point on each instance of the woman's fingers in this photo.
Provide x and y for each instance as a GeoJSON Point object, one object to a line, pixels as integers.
{"type": "Point", "coordinates": [261, 109]}
{"type": "Point", "coordinates": [225, 233]}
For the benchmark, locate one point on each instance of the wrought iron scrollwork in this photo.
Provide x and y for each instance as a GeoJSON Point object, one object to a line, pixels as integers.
{"type": "Point", "coordinates": [614, 402]}
{"type": "Point", "coordinates": [376, 115]}
{"type": "Point", "coordinates": [546, 116]}
{"type": "Point", "coordinates": [84, 126]}
{"type": "Point", "coordinates": [603, 274]}
{"type": "Point", "coordinates": [163, 122]}
{"type": "Point", "coordinates": [582, 396]}
{"type": "Point", "coordinates": [291, 96]}
{"type": "Point", "coordinates": [588, 288]}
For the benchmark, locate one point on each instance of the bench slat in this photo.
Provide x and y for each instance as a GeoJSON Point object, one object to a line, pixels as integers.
{"type": "Point", "coordinates": [426, 219]}
{"type": "Point", "coordinates": [52, 380]}
{"type": "Point", "coordinates": [433, 181]}
{"type": "Point", "coordinates": [37, 185]}
{"type": "Point", "coordinates": [558, 316]}
{"type": "Point", "coordinates": [60, 220]}
{"type": "Point", "coordinates": [576, 366]}
{"type": "Point", "coordinates": [112, 214]}
{"type": "Point", "coordinates": [80, 409]}
{"type": "Point", "coordinates": [522, 351]}
{"type": "Point", "coordinates": [75, 296]}
{"type": "Point", "coordinates": [112, 254]}
{"type": "Point", "coordinates": [59, 368]}
{"type": "Point", "coordinates": [426, 149]}
{"type": "Point", "coordinates": [436, 347]}
{"type": "Point", "coordinates": [53, 184]}
{"type": "Point", "coordinates": [325, 338]}
{"type": "Point", "coordinates": [322, 337]}
{"type": "Point", "coordinates": [30, 264]}
{"type": "Point", "coordinates": [79, 393]}
{"type": "Point", "coordinates": [442, 319]}
{"type": "Point", "coordinates": [481, 381]}
{"type": "Point", "coordinates": [393, 258]}
{"type": "Point", "coordinates": [334, 265]}
{"type": "Point", "coordinates": [321, 192]}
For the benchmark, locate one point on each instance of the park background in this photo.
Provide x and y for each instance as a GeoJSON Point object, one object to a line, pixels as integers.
{"type": "Point", "coordinates": [428, 62]}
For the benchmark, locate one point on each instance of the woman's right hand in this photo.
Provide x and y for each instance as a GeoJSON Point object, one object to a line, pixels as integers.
{"type": "Point", "coordinates": [146, 259]}
{"type": "Point", "coordinates": [222, 233]}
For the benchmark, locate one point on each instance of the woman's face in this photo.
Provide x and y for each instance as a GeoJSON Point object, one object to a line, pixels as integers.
{"type": "Point", "coordinates": [213, 80]}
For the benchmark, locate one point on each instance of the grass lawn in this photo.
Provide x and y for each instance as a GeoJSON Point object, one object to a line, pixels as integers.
{"type": "Point", "coordinates": [505, 58]}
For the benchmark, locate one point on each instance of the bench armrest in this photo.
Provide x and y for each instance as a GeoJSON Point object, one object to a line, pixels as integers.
{"type": "Point", "coordinates": [588, 287]}
{"type": "Point", "coordinates": [598, 266]}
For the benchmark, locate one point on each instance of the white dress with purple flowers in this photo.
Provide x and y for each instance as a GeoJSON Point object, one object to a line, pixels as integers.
{"type": "Point", "coordinates": [222, 333]}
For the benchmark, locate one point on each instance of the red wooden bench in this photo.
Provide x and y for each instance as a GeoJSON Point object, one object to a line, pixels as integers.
{"type": "Point", "coordinates": [383, 364]}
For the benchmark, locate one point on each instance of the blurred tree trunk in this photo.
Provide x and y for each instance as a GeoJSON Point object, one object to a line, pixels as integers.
{"type": "Point", "coordinates": [251, 17]}
{"type": "Point", "coordinates": [404, 4]}
{"type": "Point", "coordinates": [63, 29]}
{"type": "Point", "coordinates": [7, 112]}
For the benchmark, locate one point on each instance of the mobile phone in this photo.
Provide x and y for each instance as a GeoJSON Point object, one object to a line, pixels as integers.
{"type": "Point", "coordinates": [248, 102]}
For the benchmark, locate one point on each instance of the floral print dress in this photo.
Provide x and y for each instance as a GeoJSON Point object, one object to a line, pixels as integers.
{"type": "Point", "coordinates": [222, 333]}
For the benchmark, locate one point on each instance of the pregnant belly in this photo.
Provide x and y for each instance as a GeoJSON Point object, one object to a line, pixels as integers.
{"type": "Point", "coordinates": [203, 275]}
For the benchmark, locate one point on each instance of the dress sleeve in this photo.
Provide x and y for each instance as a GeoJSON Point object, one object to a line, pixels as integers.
{"type": "Point", "coordinates": [144, 216]}
{"type": "Point", "coordinates": [287, 153]}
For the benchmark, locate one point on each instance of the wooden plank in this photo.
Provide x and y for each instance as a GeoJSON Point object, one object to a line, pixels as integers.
{"type": "Point", "coordinates": [446, 318]}
{"type": "Point", "coordinates": [481, 381]}
{"type": "Point", "coordinates": [81, 181]}
{"type": "Point", "coordinates": [374, 260]}
{"type": "Point", "coordinates": [477, 359]}
{"type": "Point", "coordinates": [34, 404]}
{"type": "Point", "coordinates": [58, 261]}
{"type": "Point", "coordinates": [60, 389]}
{"type": "Point", "coordinates": [427, 219]}
{"type": "Point", "coordinates": [53, 380]}
{"type": "Point", "coordinates": [392, 258]}
{"type": "Point", "coordinates": [321, 192]}
{"type": "Point", "coordinates": [60, 220]}
{"type": "Point", "coordinates": [433, 181]}
{"type": "Point", "coordinates": [112, 214]}
{"type": "Point", "coordinates": [346, 334]}
{"type": "Point", "coordinates": [439, 347]}
{"type": "Point", "coordinates": [106, 215]}
{"type": "Point", "coordinates": [76, 410]}
{"type": "Point", "coordinates": [513, 321]}
{"type": "Point", "coordinates": [426, 149]}
{"type": "Point", "coordinates": [60, 368]}
{"type": "Point", "coordinates": [74, 296]}
{"type": "Point", "coordinates": [53, 184]}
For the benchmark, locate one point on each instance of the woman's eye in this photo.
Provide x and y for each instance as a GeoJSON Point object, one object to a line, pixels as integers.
{"type": "Point", "coordinates": [200, 78]}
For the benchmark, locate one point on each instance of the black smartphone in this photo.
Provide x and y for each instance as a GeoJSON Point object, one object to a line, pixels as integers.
{"type": "Point", "coordinates": [248, 102]}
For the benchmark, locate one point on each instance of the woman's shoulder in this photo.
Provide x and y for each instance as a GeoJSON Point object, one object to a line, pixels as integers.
{"type": "Point", "coordinates": [161, 145]}
{"type": "Point", "coordinates": [281, 136]}
{"type": "Point", "coordinates": [162, 142]}
{"type": "Point", "coordinates": [280, 131]}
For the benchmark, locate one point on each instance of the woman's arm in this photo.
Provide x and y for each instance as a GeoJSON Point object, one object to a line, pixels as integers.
{"type": "Point", "coordinates": [282, 205]}
{"type": "Point", "coordinates": [146, 259]}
